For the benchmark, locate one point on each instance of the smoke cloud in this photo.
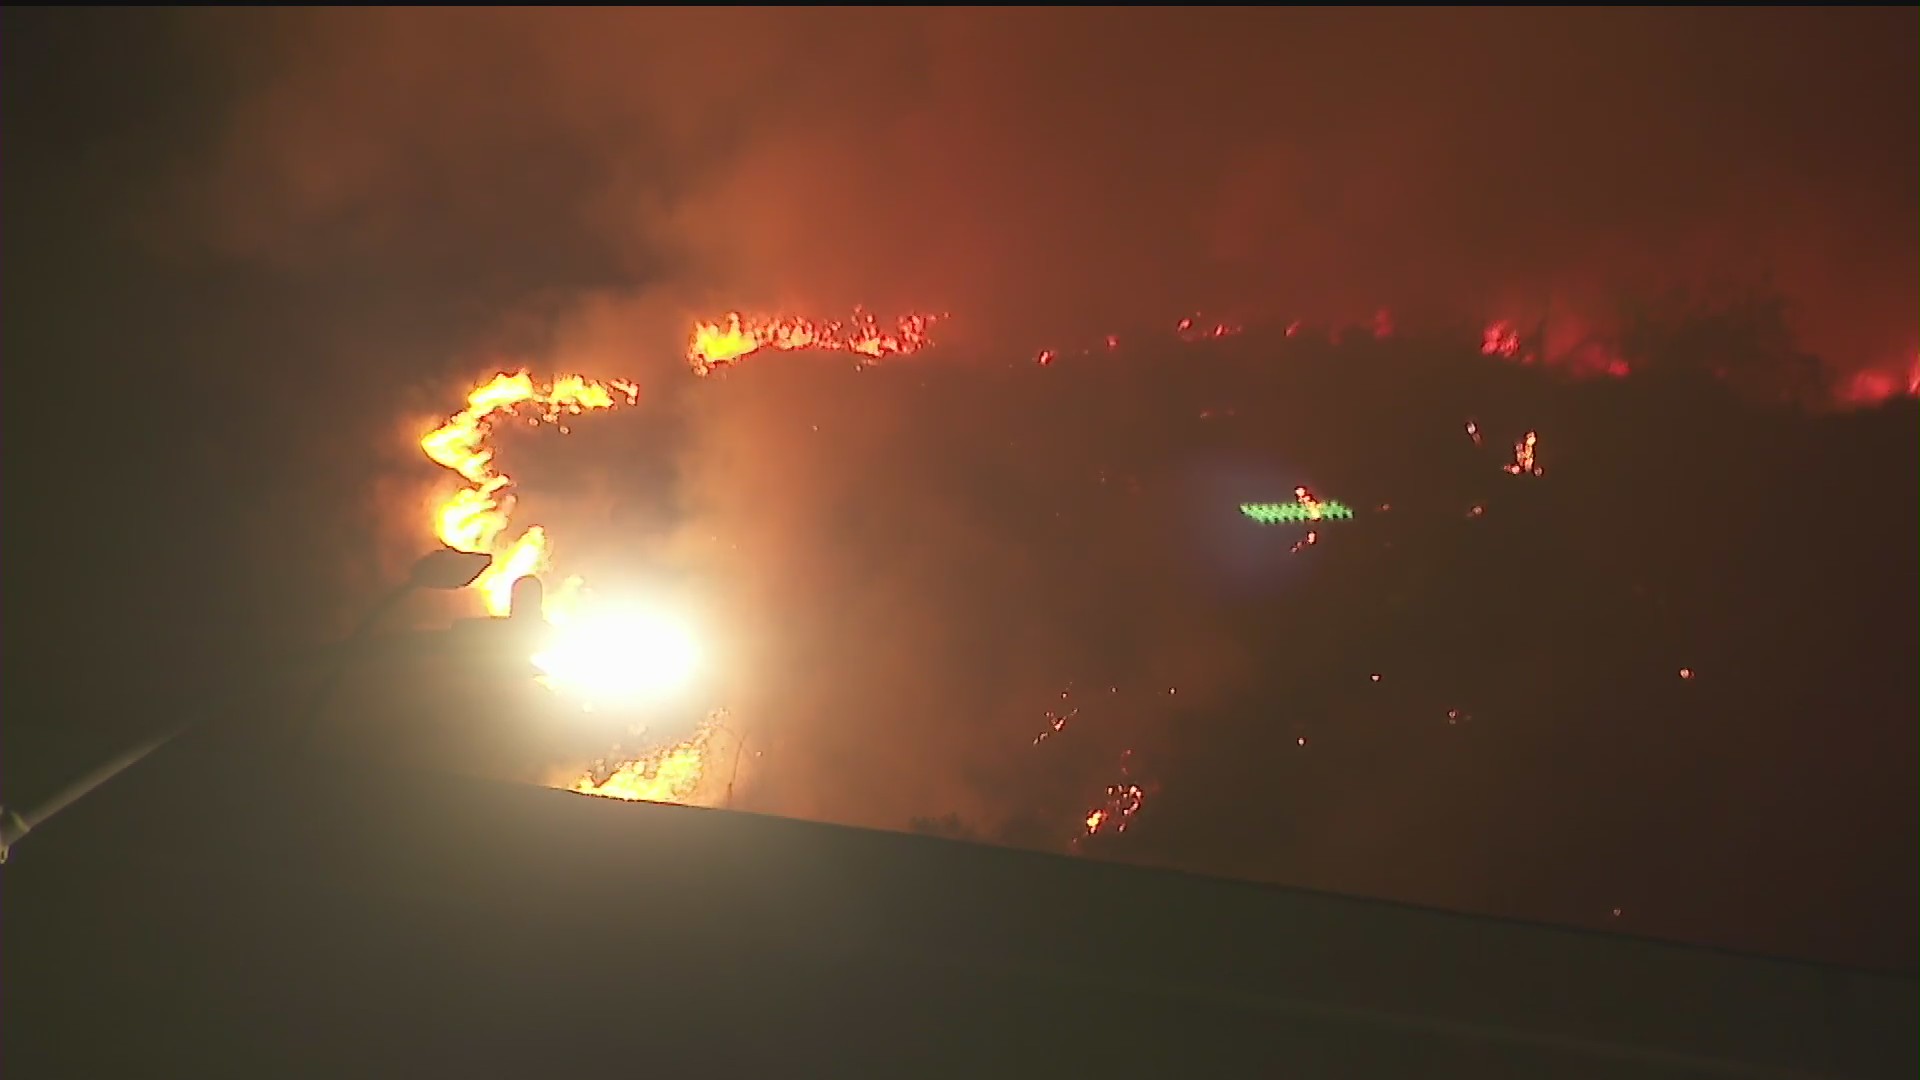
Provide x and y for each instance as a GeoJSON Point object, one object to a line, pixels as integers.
{"type": "Point", "coordinates": [1060, 167]}
{"type": "Point", "coordinates": [579, 185]}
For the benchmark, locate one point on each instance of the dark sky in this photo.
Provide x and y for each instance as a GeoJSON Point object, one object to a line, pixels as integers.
{"type": "Point", "coordinates": [249, 255]}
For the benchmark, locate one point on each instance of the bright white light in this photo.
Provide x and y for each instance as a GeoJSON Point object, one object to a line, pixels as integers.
{"type": "Point", "coordinates": [620, 655]}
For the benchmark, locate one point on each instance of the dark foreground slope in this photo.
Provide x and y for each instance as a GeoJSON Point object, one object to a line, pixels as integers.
{"type": "Point", "coordinates": [209, 915]}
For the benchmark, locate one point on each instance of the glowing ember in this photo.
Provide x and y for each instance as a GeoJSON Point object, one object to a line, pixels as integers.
{"type": "Point", "coordinates": [475, 517]}
{"type": "Point", "coordinates": [1191, 329]}
{"type": "Point", "coordinates": [1057, 720]}
{"type": "Point", "coordinates": [1122, 802]}
{"type": "Point", "coordinates": [1874, 386]}
{"type": "Point", "coordinates": [1524, 461]}
{"type": "Point", "coordinates": [734, 337]}
{"type": "Point", "coordinates": [1500, 339]}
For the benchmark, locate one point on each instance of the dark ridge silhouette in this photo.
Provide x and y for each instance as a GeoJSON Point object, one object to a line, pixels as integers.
{"type": "Point", "coordinates": [1674, 666]}
{"type": "Point", "coordinates": [205, 916]}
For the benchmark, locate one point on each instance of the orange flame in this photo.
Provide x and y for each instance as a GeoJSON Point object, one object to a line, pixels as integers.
{"type": "Point", "coordinates": [669, 774]}
{"type": "Point", "coordinates": [734, 337]}
{"type": "Point", "coordinates": [475, 517]}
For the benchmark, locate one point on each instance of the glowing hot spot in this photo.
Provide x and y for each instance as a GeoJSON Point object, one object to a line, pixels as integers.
{"type": "Point", "coordinates": [616, 655]}
{"type": "Point", "coordinates": [621, 656]}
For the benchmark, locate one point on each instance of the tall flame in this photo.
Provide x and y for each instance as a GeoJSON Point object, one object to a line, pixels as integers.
{"type": "Point", "coordinates": [475, 517]}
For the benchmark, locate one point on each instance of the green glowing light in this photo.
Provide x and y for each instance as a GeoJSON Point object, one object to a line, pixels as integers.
{"type": "Point", "coordinates": [1274, 513]}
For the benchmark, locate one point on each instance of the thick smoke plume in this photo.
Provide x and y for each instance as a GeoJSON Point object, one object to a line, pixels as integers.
{"type": "Point", "coordinates": [1046, 167]}
{"type": "Point", "coordinates": [570, 189]}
